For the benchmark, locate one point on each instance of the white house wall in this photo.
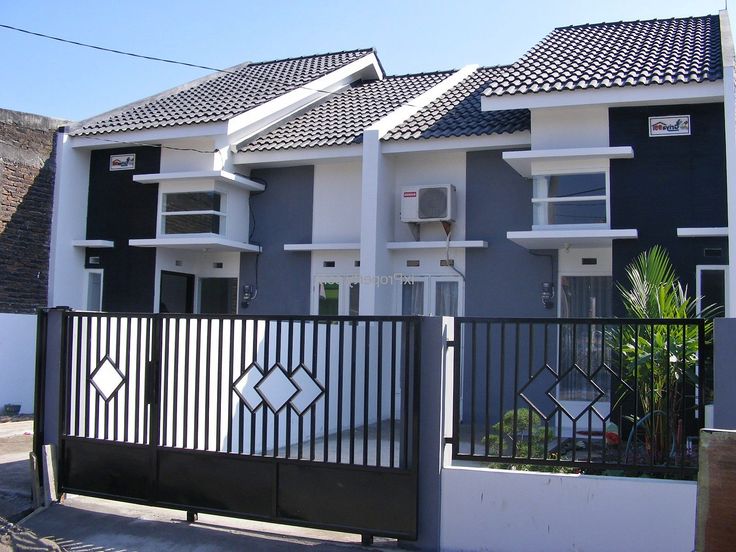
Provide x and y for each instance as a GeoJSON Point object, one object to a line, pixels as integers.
{"type": "Point", "coordinates": [569, 127]}
{"type": "Point", "coordinates": [185, 159]}
{"type": "Point", "coordinates": [337, 193]}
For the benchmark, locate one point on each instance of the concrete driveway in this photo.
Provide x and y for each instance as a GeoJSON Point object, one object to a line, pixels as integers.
{"type": "Point", "coordinates": [92, 525]}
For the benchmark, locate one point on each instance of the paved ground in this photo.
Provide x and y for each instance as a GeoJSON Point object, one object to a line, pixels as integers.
{"type": "Point", "coordinates": [94, 525]}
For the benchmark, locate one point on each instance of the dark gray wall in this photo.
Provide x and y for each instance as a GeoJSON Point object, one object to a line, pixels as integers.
{"type": "Point", "coordinates": [724, 374]}
{"type": "Point", "coordinates": [282, 214]}
{"type": "Point", "coordinates": [673, 181]}
{"type": "Point", "coordinates": [504, 279]}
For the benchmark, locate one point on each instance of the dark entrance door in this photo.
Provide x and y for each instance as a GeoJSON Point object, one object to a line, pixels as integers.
{"type": "Point", "coordinates": [177, 292]}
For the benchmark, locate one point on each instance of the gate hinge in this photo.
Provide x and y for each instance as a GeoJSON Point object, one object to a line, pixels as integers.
{"type": "Point", "coordinates": [450, 342]}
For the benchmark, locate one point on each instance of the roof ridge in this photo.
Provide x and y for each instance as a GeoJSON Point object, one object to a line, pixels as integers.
{"type": "Point", "coordinates": [622, 22]}
{"type": "Point", "coordinates": [281, 60]}
{"type": "Point", "coordinates": [421, 74]}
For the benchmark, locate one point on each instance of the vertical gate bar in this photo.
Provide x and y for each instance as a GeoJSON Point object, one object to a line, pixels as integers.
{"type": "Point", "coordinates": [207, 369]}
{"type": "Point", "coordinates": [106, 403]}
{"type": "Point", "coordinates": [457, 339]}
{"type": "Point", "coordinates": [558, 356]}
{"type": "Point", "coordinates": [574, 361]}
{"type": "Point", "coordinates": [545, 454]}
{"type": "Point", "coordinates": [185, 398]}
{"type": "Point", "coordinates": [502, 378]}
{"type": "Point", "coordinates": [366, 390]}
{"type": "Point", "coordinates": [77, 323]}
{"type": "Point", "coordinates": [264, 409]}
{"type": "Point", "coordinates": [39, 389]}
{"type": "Point", "coordinates": [155, 402]}
{"type": "Point", "coordinates": [340, 381]}
{"type": "Point", "coordinates": [276, 415]}
{"type": "Point", "coordinates": [352, 392]}
{"type": "Point", "coordinates": [473, 382]}
{"type": "Point", "coordinates": [328, 362]}
{"type": "Point", "coordinates": [218, 423]}
{"type": "Point", "coordinates": [229, 387]}
{"type": "Point", "coordinates": [668, 383]}
{"type": "Point", "coordinates": [606, 361]}
{"type": "Point", "coordinates": [150, 321]}
{"type": "Point", "coordinates": [138, 410]}
{"type": "Point", "coordinates": [530, 354]}
{"type": "Point", "coordinates": [126, 410]}
{"type": "Point", "coordinates": [197, 377]}
{"type": "Point", "coordinates": [589, 408]}
{"type": "Point", "coordinates": [165, 358]}
{"type": "Point", "coordinates": [406, 395]}
{"type": "Point", "coordinates": [289, 371]}
{"type": "Point", "coordinates": [620, 375]}
{"type": "Point", "coordinates": [392, 417]}
{"type": "Point", "coordinates": [702, 376]}
{"type": "Point", "coordinates": [515, 416]}
{"type": "Point", "coordinates": [682, 397]}
{"type": "Point", "coordinates": [241, 406]}
{"type": "Point", "coordinates": [487, 406]}
{"type": "Point", "coordinates": [64, 389]}
{"type": "Point", "coordinates": [313, 413]}
{"type": "Point", "coordinates": [175, 395]}
{"type": "Point", "coordinates": [92, 390]}
{"type": "Point", "coordinates": [416, 402]}
{"type": "Point", "coordinates": [117, 395]}
{"type": "Point", "coordinates": [379, 392]}
{"type": "Point", "coordinates": [313, 371]}
{"type": "Point", "coordinates": [252, 416]}
{"type": "Point", "coordinates": [653, 419]}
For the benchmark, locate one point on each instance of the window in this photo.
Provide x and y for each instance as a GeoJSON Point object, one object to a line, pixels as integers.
{"type": "Point", "coordinates": [433, 296]}
{"type": "Point", "coordinates": [711, 289]}
{"type": "Point", "coordinates": [336, 296]}
{"type": "Point", "coordinates": [94, 290]}
{"type": "Point", "coordinates": [193, 213]}
{"type": "Point", "coordinates": [571, 199]}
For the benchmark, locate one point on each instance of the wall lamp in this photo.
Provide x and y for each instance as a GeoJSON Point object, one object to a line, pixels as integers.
{"type": "Point", "coordinates": [249, 293]}
{"type": "Point", "coordinates": [548, 295]}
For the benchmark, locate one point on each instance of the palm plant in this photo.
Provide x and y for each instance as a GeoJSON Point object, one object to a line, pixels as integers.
{"type": "Point", "coordinates": [660, 361]}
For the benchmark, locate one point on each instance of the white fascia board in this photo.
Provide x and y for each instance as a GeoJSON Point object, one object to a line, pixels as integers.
{"type": "Point", "coordinates": [712, 232]}
{"type": "Point", "coordinates": [458, 244]}
{"type": "Point", "coordinates": [398, 116]}
{"type": "Point", "coordinates": [559, 239]}
{"type": "Point", "coordinates": [197, 243]}
{"type": "Point", "coordinates": [321, 247]}
{"type": "Point", "coordinates": [258, 119]}
{"type": "Point", "coordinates": [521, 161]}
{"type": "Point", "coordinates": [653, 94]}
{"type": "Point", "coordinates": [224, 177]}
{"type": "Point", "coordinates": [468, 143]}
{"type": "Point", "coordinates": [149, 136]}
{"type": "Point", "coordinates": [296, 156]}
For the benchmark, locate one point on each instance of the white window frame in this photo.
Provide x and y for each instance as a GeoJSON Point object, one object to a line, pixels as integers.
{"type": "Point", "coordinates": [343, 296]}
{"type": "Point", "coordinates": [540, 191]}
{"type": "Point", "coordinates": [87, 273]}
{"type": "Point", "coordinates": [698, 291]}
{"type": "Point", "coordinates": [163, 213]}
{"type": "Point", "coordinates": [430, 293]}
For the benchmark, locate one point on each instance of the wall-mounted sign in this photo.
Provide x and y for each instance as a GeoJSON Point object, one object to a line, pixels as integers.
{"type": "Point", "coordinates": [672, 125]}
{"type": "Point", "coordinates": [124, 162]}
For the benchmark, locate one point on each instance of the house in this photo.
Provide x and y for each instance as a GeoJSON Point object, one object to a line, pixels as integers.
{"type": "Point", "coordinates": [288, 186]}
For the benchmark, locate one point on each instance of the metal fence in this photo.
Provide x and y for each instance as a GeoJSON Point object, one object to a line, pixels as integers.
{"type": "Point", "coordinates": [593, 395]}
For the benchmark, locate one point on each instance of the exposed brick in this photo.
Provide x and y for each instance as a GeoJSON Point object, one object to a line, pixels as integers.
{"type": "Point", "coordinates": [27, 171]}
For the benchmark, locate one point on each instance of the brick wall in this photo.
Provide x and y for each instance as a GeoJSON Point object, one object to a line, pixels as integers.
{"type": "Point", "coordinates": [26, 201]}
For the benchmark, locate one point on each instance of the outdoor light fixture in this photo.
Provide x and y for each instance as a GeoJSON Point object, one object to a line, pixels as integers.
{"type": "Point", "coordinates": [249, 293]}
{"type": "Point", "coordinates": [548, 294]}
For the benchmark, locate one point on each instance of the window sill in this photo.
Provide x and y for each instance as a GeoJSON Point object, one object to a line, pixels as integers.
{"type": "Point", "coordinates": [561, 239]}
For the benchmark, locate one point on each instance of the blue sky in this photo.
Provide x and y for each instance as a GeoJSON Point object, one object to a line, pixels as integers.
{"type": "Point", "coordinates": [59, 80]}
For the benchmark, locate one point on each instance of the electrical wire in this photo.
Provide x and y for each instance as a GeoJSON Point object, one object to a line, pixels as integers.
{"type": "Point", "coordinates": [451, 262]}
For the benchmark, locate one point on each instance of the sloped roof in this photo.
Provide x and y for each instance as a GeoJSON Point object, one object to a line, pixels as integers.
{"type": "Point", "coordinates": [341, 119]}
{"type": "Point", "coordinates": [457, 113]}
{"type": "Point", "coordinates": [607, 55]}
{"type": "Point", "coordinates": [220, 96]}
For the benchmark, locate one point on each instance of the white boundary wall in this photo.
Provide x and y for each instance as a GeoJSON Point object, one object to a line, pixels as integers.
{"type": "Point", "coordinates": [511, 511]}
{"type": "Point", "coordinates": [17, 360]}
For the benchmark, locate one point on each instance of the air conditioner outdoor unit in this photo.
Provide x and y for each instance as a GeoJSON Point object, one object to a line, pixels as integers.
{"type": "Point", "coordinates": [428, 203]}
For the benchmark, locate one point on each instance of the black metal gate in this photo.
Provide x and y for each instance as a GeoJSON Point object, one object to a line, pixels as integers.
{"type": "Point", "coordinates": [310, 421]}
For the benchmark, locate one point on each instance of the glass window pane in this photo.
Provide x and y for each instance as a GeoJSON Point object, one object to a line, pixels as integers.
{"type": "Point", "coordinates": [446, 299]}
{"type": "Point", "coordinates": [412, 298]}
{"type": "Point", "coordinates": [192, 201]}
{"type": "Point", "coordinates": [218, 295]}
{"type": "Point", "coordinates": [713, 291]}
{"type": "Point", "coordinates": [577, 185]}
{"type": "Point", "coordinates": [588, 212]}
{"type": "Point", "coordinates": [329, 299]}
{"type": "Point", "coordinates": [94, 291]}
{"type": "Point", "coordinates": [354, 300]}
{"type": "Point", "coordinates": [191, 224]}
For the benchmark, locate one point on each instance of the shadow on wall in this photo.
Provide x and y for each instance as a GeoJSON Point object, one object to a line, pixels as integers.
{"type": "Point", "coordinates": [25, 233]}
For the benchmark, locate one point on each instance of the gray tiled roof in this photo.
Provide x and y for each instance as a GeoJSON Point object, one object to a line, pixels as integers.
{"type": "Point", "coordinates": [219, 96]}
{"type": "Point", "coordinates": [457, 113]}
{"type": "Point", "coordinates": [609, 55]}
{"type": "Point", "coordinates": [341, 119]}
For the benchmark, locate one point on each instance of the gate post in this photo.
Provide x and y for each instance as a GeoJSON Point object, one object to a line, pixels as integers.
{"type": "Point", "coordinates": [48, 400]}
{"type": "Point", "coordinates": [724, 373]}
{"type": "Point", "coordinates": [429, 370]}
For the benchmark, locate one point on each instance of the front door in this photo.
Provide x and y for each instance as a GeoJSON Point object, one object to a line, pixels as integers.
{"type": "Point", "coordinates": [177, 292]}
